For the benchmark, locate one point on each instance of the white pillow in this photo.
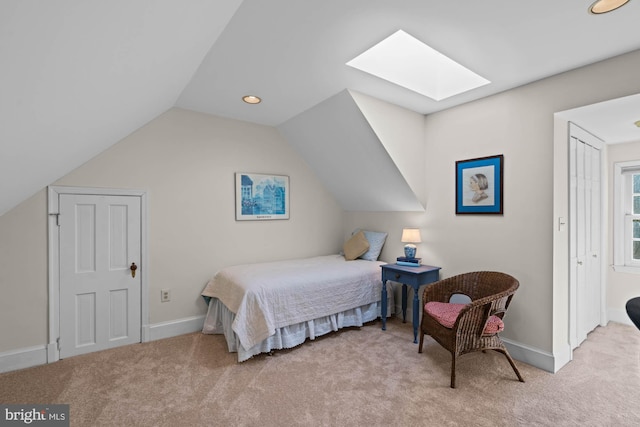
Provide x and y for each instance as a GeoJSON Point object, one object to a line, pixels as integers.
{"type": "Point", "coordinates": [376, 241]}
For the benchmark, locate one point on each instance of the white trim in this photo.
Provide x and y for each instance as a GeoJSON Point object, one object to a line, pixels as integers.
{"type": "Point", "coordinates": [576, 133]}
{"type": "Point", "coordinates": [54, 274]}
{"type": "Point", "coordinates": [23, 358]}
{"type": "Point", "coordinates": [35, 356]}
{"type": "Point", "coordinates": [532, 356]}
{"type": "Point", "coordinates": [621, 261]}
{"type": "Point", "coordinates": [626, 269]}
{"type": "Point", "coordinates": [561, 357]}
{"type": "Point", "coordinates": [586, 136]}
{"type": "Point", "coordinates": [618, 211]}
{"type": "Point", "coordinates": [174, 328]}
{"type": "Point", "coordinates": [54, 191]}
{"type": "Point", "coordinates": [39, 355]}
{"type": "Point", "coordinates": [604, 234]}
{"type": "Point", "coordinates": [520, 352]}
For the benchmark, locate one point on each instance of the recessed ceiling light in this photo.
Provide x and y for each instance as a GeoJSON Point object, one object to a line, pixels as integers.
{"type": "Point", "coordinates": [251, 99]}
{"type": "Point", "coordinates": [604, 6]}
{"type": "Point", "coordinates": [637, 123]}
{"type": "Point", "coordinates": [406, 61]}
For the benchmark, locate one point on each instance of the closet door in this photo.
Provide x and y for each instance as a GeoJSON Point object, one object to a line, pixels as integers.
{"type": "Point", "coordinates": [593, 303]}
{"type": "Point", "coordinates": [585, 229]}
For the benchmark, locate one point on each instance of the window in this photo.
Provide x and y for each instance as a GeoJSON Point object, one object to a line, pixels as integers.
{"type": "Point", "coordinates": [627, 217]}
{"type": "Point", "coordinates": [633, 217]}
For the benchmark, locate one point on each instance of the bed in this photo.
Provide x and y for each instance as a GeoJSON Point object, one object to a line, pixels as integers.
{"type": "Point", "coordinates": [275, 305]}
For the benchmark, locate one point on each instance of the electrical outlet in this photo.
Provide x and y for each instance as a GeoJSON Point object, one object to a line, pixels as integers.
{"type": "Point", "coordinates": [165, 295]}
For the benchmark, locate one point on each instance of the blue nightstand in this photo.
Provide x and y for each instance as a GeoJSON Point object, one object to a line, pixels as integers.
{"type": "Point", "coordinates": [408, 276]}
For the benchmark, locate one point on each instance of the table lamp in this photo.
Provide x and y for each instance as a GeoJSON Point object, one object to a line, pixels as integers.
{"type": "Point", "coordinates": [410, 236]}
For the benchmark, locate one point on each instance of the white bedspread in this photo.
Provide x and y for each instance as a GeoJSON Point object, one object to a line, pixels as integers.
{"type": "Point", "coordinates": [267, 296]}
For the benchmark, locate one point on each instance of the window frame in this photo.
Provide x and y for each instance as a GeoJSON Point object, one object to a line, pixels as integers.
{"type": "Point", "coordinates": [623, 217]}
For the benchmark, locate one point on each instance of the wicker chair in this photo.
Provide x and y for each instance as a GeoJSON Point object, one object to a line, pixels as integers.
{"type": "Point", "coordinates": [476, 325]}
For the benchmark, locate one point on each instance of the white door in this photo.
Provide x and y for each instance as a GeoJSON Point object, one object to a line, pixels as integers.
{"type": "Point", "coordinates": [585, 229]}
{"type": "Point", "coordinates": [593, 285]}
{"type": "Point", "coordinates": [100, 300]}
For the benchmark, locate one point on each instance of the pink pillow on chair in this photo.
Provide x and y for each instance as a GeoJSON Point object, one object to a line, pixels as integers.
{"type": "Point", "coordinates": [447, 313]}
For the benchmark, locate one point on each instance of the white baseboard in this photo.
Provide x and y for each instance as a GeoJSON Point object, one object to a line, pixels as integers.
{"type": "Point", "coordinates": [562, 357]}
{"type": "Point", "coordinates": [23, 358]}
{"type": "Point", "coordinates": [532, 356]}
{"type": "Point", "coordinates": [35, 356]}
{"type": "Point", "coordinates": [536, 357]}
{"type": "Point", "coordinates": [173, 328]}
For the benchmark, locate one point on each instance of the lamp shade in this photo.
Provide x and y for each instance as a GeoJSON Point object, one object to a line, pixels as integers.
{"type": "Point", "coordinates": [411, 235]}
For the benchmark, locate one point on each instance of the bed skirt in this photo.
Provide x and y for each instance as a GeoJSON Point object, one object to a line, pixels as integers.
{"type": "Point", "coordinates": [219, 320]}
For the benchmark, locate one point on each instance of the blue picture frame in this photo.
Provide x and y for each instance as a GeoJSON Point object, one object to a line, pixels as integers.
{"type": "Point", "coordinates": [479, 185]}
{"type": "Point", "coordinates": [261, 197]}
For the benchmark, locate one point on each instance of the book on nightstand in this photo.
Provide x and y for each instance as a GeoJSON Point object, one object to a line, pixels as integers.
{"type": "Point", "coordinates": [410, 262]}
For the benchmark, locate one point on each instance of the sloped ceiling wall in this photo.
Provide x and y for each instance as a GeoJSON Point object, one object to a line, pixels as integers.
{"type": "Point", "coordinates": [350, 158]}
{"type": "Point", "coordinates": [78, 76]}
{"type": "Point", "coordinates": [103, 70]}
{"type": "Point", "coordinates": [402, 133]}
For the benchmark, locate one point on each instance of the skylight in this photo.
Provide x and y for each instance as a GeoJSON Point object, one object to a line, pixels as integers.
{"type": "Point", "coordinates": [406, 61]}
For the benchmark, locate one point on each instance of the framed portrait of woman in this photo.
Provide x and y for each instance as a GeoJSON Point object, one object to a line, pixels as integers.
{"type": "Point", "coordinates": [479, 185]}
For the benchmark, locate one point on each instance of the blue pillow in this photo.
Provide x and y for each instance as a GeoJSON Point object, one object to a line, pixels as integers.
{"type": "Point", "coordinates": [376, 241]}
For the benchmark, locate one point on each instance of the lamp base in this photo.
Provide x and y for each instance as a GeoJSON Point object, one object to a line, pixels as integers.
{"type": "Point", "coordinates": [410, 251]}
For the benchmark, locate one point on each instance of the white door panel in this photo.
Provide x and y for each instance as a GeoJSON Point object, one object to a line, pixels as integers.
{"type": "Point", "coordinates": [592, 308]}
{"type": "Point", "coordinates": [585, 282]}
{"type": "Point", "coordinates": [99, 299]}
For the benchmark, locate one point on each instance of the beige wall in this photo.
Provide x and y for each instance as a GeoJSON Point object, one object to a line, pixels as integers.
{"type": "Point", "coordinates": [506, 243]}
{"type": "Point", "coordinates": [401, 132]}
{"type": "Point", "coordinates": [186, 161]}
{"type": "Point", "coordinates": [23, 275]}
{"type": "Point", "coordinates": [620, 286]}
{"type": "Point", "coordinates": [524, 241]}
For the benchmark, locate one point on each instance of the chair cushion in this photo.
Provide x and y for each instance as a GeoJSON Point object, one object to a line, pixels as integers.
{"type": "Point", "coordinates": [447, 313]}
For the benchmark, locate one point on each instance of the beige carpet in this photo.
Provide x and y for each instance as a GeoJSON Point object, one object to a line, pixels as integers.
{"type": "Point", "coordinates": [356, 377]}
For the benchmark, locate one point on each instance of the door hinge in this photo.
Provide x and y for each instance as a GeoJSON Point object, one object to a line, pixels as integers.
{"type": "Point", "coordinates": [57, 215]}
{"type": "Point", "coordinates": [58, 344]}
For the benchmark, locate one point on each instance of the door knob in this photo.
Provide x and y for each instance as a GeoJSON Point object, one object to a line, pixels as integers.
{"type": "Point", "coordinates": [133, 269]}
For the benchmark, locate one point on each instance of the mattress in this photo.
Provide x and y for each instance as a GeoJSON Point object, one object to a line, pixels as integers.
{"type": "Point", "coordinates": [265, 306]}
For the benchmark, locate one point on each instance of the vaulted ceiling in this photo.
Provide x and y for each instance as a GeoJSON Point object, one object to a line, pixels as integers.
{"type": "Point", "coordinates": [78, 76]}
